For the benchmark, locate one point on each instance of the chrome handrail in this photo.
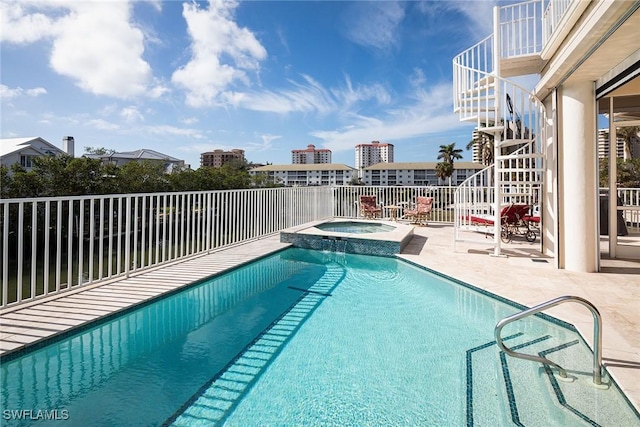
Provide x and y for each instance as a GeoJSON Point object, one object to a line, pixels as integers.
{"type": "Point", "coordinates": [597, 335]}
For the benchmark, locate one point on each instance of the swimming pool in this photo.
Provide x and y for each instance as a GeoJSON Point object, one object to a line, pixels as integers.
{"type": "Point", "coordinates": [306, 337]}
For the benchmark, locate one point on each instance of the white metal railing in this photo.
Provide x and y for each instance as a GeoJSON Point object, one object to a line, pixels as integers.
{"type": "Point", "coordinates": [84, 239]}
{"type": "Point", "coordinates": [521, 29]}
{"type": "Point", "coordinates": [629, 205]}
{"type": "Point", "coordinates": [473, 90]}
{"type": "Point", "coordinates": [57, 243]}
{"type": "Point", "coordinates": [553, 13]}
{"type": "Point", "coordinates": [346, 200]}
{"type": "Point", "coordinates": [597, 335]}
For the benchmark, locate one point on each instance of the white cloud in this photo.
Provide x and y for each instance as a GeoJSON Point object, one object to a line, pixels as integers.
{"type": "Point", "coordinates": [101, 50]}
{"type": "Point", "coordinates": [190, 120]}
{"type": "Point", "coordinates": [96, 44]}
{"type": "Point", "coordinates": [429, 113]}
{"type": "Point", "coordinates": [309, 96]}
{"type": "Point", "coordinates": [374, 24]}
{"type": "Point", "coordinates": [101, 124]}
{"type": "Point", "coordinates": [479, 14]}
{"type": "Point", "coordinates": [131, 114]}
{"type": "Point", "coordinates": [216, 37]}
{"type": "Point", "coordinates": [172, 130]}
{"type": "Point", "coordinates": [265, 145]}
{"type": "Point", "coordinates": [21, 27]}
{"type": "Point", "coordinates": [8, 93]}
{"type": "Point", "coordinates": [204, 147]}
{"type": "Point", "coordinates": [350, 96]}
{"type": "Point", "coordinates": [306, 96]}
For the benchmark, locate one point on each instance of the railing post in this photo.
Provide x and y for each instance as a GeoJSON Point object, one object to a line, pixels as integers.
{"type": "Point", "coordinates": [127, 235]}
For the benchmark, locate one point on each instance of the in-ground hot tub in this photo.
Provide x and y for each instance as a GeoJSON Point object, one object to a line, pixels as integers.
{"type": "Point", "coordinates": [355, 227]}
{"type": "Point", "coordinates": [350, 236]}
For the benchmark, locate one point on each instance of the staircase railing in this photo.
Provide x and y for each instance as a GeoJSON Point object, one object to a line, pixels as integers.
{"type": "Point", "coordinates": [597, 335]}
{"type": "Point", "coordinates": [513, 117]}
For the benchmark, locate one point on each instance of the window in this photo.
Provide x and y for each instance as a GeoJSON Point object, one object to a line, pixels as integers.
{"type": "Point", "coordinates": [26, 161]}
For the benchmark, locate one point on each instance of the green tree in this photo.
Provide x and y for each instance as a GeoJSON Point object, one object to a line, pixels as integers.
{"type": "Point", "coordinates": [448, 153]}
{"type": "Point", "coordinates": [101, 151]}
{"type": "Point", "coordinates": [628, 133]}
{"type": "Point", "coordinates": [19, 183]}
{"type": "Point", "coordinates": [69, 176]}
{"type": "Point", "coordinates": [142, 177]}
{"type": "Point", "coordinates": [627, 176]}
{"type": "Point", "coordinates": [444, 170]}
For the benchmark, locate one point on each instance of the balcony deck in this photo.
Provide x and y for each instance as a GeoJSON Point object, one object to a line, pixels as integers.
{"type": "Point", "coordinates": [615, 293]}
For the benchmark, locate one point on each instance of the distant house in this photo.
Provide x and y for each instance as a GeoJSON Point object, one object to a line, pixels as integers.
{"type": "Point", "coordinates": [24, 150]}
{"type": "Point", "coordinates": [170, 163]}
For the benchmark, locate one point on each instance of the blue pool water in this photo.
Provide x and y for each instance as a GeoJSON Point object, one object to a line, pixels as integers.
{"type": "Point", "coordinates": [355, 227]}
{"type": "Point", "coordinates": [311, 338]}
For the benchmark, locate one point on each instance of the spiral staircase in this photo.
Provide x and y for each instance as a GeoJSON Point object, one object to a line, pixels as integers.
{"type": "Point", "coordinates": [512, 118]}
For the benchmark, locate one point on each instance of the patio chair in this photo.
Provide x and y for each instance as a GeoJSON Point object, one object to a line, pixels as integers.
{"type": "Point", "coordinates": [419, 214]}
{"type": "Point", "coordinates": [369, 207]}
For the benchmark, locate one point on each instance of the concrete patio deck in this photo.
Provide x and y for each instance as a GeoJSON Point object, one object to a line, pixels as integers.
{"type": "Point", "coordinates": [517, 277]}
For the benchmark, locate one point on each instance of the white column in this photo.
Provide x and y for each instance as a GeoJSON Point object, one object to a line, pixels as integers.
{"type": "Point", "coordinates": [549, 199]}
{"type": "Point", "coordinates": [579, 186]}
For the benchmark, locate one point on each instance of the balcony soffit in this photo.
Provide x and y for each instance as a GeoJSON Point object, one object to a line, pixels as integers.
{"type": "Point", "coordinates": [589, 52]}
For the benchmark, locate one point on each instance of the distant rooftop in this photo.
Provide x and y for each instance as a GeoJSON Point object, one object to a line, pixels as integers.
{"type": "Point", "coordinates": [141, 154]}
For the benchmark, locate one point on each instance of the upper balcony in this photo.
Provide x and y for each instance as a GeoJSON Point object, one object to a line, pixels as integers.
{"type": "Point", "coordinates": [563, 39]}
{"type": "Point", "coordinates": [528, 33]}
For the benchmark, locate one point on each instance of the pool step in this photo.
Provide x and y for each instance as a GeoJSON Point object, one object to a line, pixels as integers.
{"type": "Point", "coordinates": [493, 388]}
{"type": "Point", "coordinates": [215, 401]}
{"type": "Point", "coordinates": [528, 397]}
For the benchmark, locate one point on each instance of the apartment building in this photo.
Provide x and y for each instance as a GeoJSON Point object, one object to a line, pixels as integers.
{"type": "Point", "coordinates": [603, 145]}
{"type": "Point", "coordinates": [307, 175]}
{"type": "Point", "coordinates": [217, 158]}
{"type": "Point", "coordinates": [310, 155]}
{"type": "Point", "coordinates": [416, 173]}
{"type": "Point", "coordinates": [371, 154]}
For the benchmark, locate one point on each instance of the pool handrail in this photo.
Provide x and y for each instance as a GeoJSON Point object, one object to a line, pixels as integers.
{"type": "Point", "coordinates": [597, 335]}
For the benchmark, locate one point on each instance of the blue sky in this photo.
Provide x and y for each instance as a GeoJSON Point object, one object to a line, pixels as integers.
{"type": "Point", "coordinates": [267, 77]}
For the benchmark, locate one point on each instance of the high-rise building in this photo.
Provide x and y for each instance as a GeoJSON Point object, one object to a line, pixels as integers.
{"type": "Point", "coordinates": [310, 155]}
{"type": "Point", "coordinates": [217, 158]}
{"type": "Point", "coordinates": [478, 138]}
{"type": "Point", "coordinates": [603, 144]}
{"type": "Point", "coordinates": [371, 154]}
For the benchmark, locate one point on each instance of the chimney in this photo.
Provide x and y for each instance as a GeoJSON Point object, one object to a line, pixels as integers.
{"type": "Point", "coordinates": [68, 145]}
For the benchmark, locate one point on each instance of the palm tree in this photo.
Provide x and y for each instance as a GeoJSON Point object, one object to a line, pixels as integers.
{"type": "Point", "coordinates": [627, 133]}
{"type": "Point", "coordinates": [448, 153]}
{"type": "Point", "coordinates": [444, 170]}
